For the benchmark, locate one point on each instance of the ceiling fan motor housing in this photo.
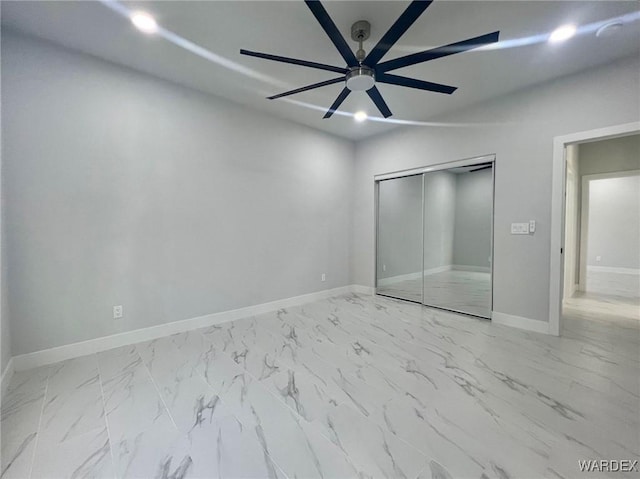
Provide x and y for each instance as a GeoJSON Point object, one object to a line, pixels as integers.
{"type": "Point", "coordinates": [361, 78]}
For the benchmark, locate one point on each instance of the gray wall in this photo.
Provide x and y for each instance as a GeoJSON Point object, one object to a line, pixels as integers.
{"type": "Point", "coordinates": [399, 235]}
{"type": "Point", "coordinates": [598, 157]}
{"type": "Point", "coordinates": [474, 202]}
{"type": "Point", "coordinates": [614, 222]}
{"type": "Point", "coordinates": [124, 189]}
{"type": "Point", "coordinates": [519, 129]}
{"type": "Point", "coordinates": [439, 217]}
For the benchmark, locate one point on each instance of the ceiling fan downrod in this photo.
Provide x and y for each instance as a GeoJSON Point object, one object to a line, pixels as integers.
{"type": "Point", "coordinates": [360, 78]}
{"type": "Point", "coordinates": [360, 32]}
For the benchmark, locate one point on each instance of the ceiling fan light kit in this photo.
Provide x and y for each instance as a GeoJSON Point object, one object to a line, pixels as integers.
{"type": "Point", "coordinates": [362, 70]}
{"type": "Point", "coordinates": [360, 78]}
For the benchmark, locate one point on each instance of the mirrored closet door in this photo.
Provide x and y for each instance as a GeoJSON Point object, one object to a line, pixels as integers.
{"type": "Point", "coordinates": [399, 271]}
{"type": "Point", "coordinates": [435, 235]}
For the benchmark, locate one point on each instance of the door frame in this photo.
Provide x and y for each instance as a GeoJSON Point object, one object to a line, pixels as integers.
{"type": "Point", "coordinates": [558, 187]}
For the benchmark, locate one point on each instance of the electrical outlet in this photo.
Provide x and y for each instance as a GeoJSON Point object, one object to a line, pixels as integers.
{"type": "Point", "coordinates": [384, 268]}
{"type": "Point", "coordinates": [598, 258]}
{"type": "Point", "coordinates": [323, 277]}
{"type": "Point", "coordinates": [117, 312]}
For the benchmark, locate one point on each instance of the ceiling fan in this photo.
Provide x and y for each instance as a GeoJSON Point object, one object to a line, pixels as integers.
{"type": "Point", "coordinates": [363, 71]}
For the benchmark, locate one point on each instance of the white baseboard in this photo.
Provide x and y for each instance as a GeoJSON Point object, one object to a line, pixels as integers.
{"type": "Point", "coordinates": [83, 348]}
{"type": "Point", "coordinates": [612, 269]}
{"type": "Point", "coordinates": [613, 281]}
{"type": "Point", "coordinates": [7, 374]}
{"type": "Point", "coordinates": [520, 322]}
{"type": "Point", "coordinates": [473, 269]}
{"type": "Point", "coordinates": [438, 269]}
{"type": "Point", "coordinates": [398, 279]}
{"type": "Point", "coordinates": [416, 275]}
{"type": "Point", "coordinates": [358, 288]}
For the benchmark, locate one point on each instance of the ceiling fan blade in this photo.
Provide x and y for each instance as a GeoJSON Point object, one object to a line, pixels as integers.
{"type": "Point", "coordinates": [308, 87]}
{"type": "Point", "coordinates": [332, 31]}
{"type": "Point", "coordinates": [375, 95]}
{"type": "Point", "coordinates": [439, 52]}
{"type": "Point", "coordinates": [341, 97]}
{"type": "Point", "coordinates": [413, 83]}
{"type": "Point", "coordinates": [294, 61]}
{"type": "Point", "coordinates": [401, 25]}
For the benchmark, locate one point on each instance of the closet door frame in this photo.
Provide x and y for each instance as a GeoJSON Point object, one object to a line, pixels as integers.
{"type": "Point", "coordinates": [488, 158]}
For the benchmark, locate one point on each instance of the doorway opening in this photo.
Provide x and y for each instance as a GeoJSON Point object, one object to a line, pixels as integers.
{"type": "Point", "coordinates": [598, 272]}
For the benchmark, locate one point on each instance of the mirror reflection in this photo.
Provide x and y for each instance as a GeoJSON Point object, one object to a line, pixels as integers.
{"type": "Point", "coordinates": [400, 238]}
{"type": "Point", "coordinates": [458, 232]}
{"type": "Point", "coordinates": [435, 238]}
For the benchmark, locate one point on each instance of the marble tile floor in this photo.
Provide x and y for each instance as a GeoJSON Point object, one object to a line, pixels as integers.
{"type": "Point", "coordinates": [605, 307]}
{"type": "Point", "coordinates": [352, 386]}
{"type": "Point", "coordinates": [613, 284]}
{"type": "Point", "coordinates": [465, 291]}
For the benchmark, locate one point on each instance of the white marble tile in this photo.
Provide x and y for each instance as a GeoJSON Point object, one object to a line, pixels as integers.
{"type": "Point", "coordinates": [72, 374]}
{"type": "Point", "coordinates": [132, 402]}
{"type": "Point", "coordinates": [351, 386]}
{"type": "Point", "coordinates": [29, 381]}
{"type": "Point", "coordinates": [191, 401]}
{"type": "Point", "coordinates": [66, 416]}
{"type": "Point", "coordinates": [16, 457]}
{"type": "Point", "coordinates": [73, 405]}
{"type": "Point", "coordinates": [308, 398]}
{"type": "Point", "coordinates": [115, 362]}
{"type": "Point", "coordinates": [299, 450]}
{"type": "Point", "coordinates": [373, 449]}
{"type": "Point", "coordinates": [260, 363]}
{"type": "Point", "coordinates": [84, 456]}
{"type": "Point", "coordinates": [219, 370]}
{"type": "Point", "coordinates": [21, 412]}
{"type": "Point", "coordinates": [225, 448]}
{"type": "Point", "coordinates": [161, 357]}
{"type": "Point", "coordinates": [160, 450]}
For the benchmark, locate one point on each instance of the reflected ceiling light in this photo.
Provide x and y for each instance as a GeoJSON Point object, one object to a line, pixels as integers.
{"type": "Point", "coordinates": [144, 22]}
{"type": "Point", "coordinates": [360, 116]}
{"type": "Point", "coordinates": [196, 49]}
{"type": "Point", "coordinates": [562, 33]}
{"type": "Point", "coordinates": [609, 29]}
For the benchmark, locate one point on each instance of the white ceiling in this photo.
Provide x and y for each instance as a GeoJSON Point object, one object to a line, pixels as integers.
{"type": "Point", "coordinates": [288, 28]}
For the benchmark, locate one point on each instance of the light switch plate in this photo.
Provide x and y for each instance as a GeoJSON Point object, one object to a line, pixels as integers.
{"type": "Point", "coordinates": [519, 228]}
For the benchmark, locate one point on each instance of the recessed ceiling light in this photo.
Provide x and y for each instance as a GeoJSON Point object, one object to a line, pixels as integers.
{"type": "Point", "coordinates": [144, 22]}
{"type": "Point", "coordinates": [360, 116]}
{"type": "Point", "coordinates": [562, 33]}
